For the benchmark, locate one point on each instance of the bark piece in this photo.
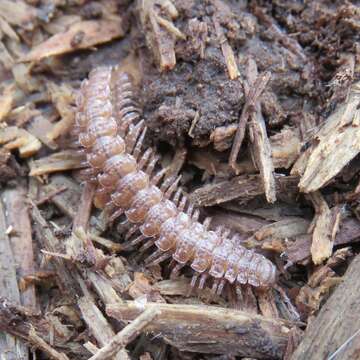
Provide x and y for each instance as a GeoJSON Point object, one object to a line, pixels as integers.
{"type": "Point", "coordinates": [335, 324]}
{"type": "Point", "coordinates": [21, 238]}
{"type": "Point", "coordinates": [243, 188]}
{"type": "Point", "coordinates": [209, 329]}
{"type": "Point", "coordinates": [9, 288]}
{"type": "Point", "coordinates": [81, 35]}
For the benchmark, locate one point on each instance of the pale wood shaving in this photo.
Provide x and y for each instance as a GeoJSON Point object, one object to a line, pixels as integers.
{"type": "Point", "coordinates": [20, 139]}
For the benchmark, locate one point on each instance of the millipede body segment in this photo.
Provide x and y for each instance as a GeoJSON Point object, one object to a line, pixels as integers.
{"type": "Point", "coordinates": [111, 133]}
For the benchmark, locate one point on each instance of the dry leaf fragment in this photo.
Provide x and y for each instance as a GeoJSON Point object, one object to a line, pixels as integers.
{"type": "Point", "coordinates": [15, 138]}
{"type": "Point", "coordinates": [81, 35]}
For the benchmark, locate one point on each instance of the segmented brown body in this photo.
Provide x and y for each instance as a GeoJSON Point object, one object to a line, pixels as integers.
{"type": "Point", "coordinates": [111, 133]}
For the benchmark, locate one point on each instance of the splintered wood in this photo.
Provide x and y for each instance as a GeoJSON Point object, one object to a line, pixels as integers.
{"type": "Point", "coordinates": [336, 144]}
{"type": "Point", "coordinates": [211, 329]}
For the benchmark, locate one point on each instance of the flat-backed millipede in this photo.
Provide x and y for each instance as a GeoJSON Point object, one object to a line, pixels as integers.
{"type": "Point", "coordinates": [111, 133]}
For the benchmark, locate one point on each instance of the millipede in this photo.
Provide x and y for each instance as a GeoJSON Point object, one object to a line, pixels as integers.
{"type": "Point", "coordinates": [111, 132]}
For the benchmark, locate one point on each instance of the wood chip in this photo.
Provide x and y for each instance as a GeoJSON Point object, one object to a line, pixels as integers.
{"type": "Point", "coordinates": [60, 161]}
{"type": "Point", "coordinates": [16, 138]}
{"type": "Point", "coordinates": [209, 329]}
{"type": "Point", "coordinates": [338, 142]}
{"type": "Point", "coordinates": [81, 35]}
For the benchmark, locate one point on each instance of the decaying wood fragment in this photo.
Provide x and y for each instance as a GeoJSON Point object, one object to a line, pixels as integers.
{"type": "Point", "coordinates": [227, 51]}
{"type": "Point", "coordinates": [6, 100]}
{"type": "Point", "coordinates": [285, 147]}
{"type": "Point", "coordinates": [243, 188]}
{"type": "Point", "coordinates": [35, 330]}
{"type": "Point", "coordinates": [99, 326]}
{"type": "Point", "coordinates": [337, 143]}
{"type": "Point", "coordinates": [322, 239]}
{"type": "Point", "coordinates": [208, 329]}
{"type": "Point", "coordinates": [125, 336]}
{"type": "Point", "coordinates": [83, 214]}
{"type": "Point", "coordinates": [260, 144]}
{"type": "Point", "coordinates": [335, 324]}
{"type": "Point", "coordinates": [253, 91]}
{"type": "Point", "coordinates": [64, 270]}
{"type": "Point", "coordinates": [8, 288]}
{"type": "Point", "coordinates": [67, 201]}
{"type": "Point", "coordinates": [62, 97]}
{"type": "Point", "coordinates": [299, 250]}
{"type": "Point", "coordinates": [160, 31]}
{"type": "Point", "coordinates": [16, 138]}
{"type": "Point", "coordinates": [80, 35]}
{"type": "Point", "coordinates": [20, 237]}
{"type": "Point", "coordinates": [60, 161]}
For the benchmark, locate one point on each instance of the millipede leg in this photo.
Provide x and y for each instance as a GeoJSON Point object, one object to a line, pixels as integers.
{"type": "Point", "coordinates": [160, 259]}
{"type": "Point", "coordinates": [215, 286]}
{"type": "Point", "coordinates": [153, 256]}
{"type": "Point", "coordinates": [133, 135]}
{"type": "Point", "coordinates": [192, 284]}
{"type": "Point", "coordinates": [220, 287]}
{"type": "Point", "coordinates": [131, 231]}
{"type": "Point", "coordinates": [207, 222]}
{"type": "Point", "coordinates": [203, 279]}
{"type": "Point", "coordinates": [172, 188]}
{"type": "Point", "coordinates": [145, 158]}
{"type": "Point", "coordinates": [176, 270]}
{"type": "Point", "coordinates": [115, 215]}
{"type": "Point", "coordinates": [167, 183]}
{"type": "Point", "coordinates": [158, 176]}
{"type": "Point", "coordinates": [139, 144]}
{"type": "Point", "coordinates": [137, 240]}
{"type": "Point", "coordinates": [176, 197]}
{"type": "Point", "coordinates": [151, 166]}
{"type": "Point", "coordinates": [182, 203]}
{"type": "Point", "coordinates": [195, 215]}
{"type": "Point", "coordinates": [147, 245]}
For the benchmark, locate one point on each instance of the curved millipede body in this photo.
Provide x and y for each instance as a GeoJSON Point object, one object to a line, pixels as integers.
{"type": "Point", "coordinates": [111, 133]}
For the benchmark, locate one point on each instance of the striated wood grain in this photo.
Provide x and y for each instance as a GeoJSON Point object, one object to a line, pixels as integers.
{"type": "Point", "coordinates": [336, 322]}
{"type": "Point", "coordinates": [209, 329]}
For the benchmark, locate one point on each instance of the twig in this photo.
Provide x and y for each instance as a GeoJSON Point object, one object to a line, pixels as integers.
{"type": "Point", "coordinates": [121, 339]}
{"type": "Point", "coordinates": [41, 344]}
{"type": "Point", "coordinates": [83, 214]}
{"type": "Point", "coordinates": [253, 91]}
{"type": "Point", "coordinates": [50, 195]}
{"type": "Point", "coordinates": [99, 326]}
{"type": "Point", "coordinates": [227, 51]}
